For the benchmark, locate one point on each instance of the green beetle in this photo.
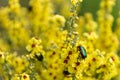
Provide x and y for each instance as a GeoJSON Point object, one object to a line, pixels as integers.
{"type": "Point", "coordinates": [82, 51]}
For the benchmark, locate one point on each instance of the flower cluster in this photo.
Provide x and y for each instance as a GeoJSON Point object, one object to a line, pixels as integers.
{"type": "Point", "coordinates": [37, 44]}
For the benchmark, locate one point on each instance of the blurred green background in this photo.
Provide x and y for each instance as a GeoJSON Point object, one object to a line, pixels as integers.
{"type": "Point", "coordinates": [87, 6]}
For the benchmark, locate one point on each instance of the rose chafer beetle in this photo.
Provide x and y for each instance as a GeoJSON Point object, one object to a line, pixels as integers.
{"type": "Point", "coordinates": [82, 51]}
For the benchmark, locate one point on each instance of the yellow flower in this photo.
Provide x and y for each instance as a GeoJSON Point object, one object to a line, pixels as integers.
{"type": "Point", "coordinates": [19, 64]}
{"type": "Point", "coordinates": [91, 35]}
{"type": "Point", "coordinates": [25, 77]}
{"type": "Point", "coordinates": [59, 20]}
{"type": "Point", "coordinates": [34, 44]}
